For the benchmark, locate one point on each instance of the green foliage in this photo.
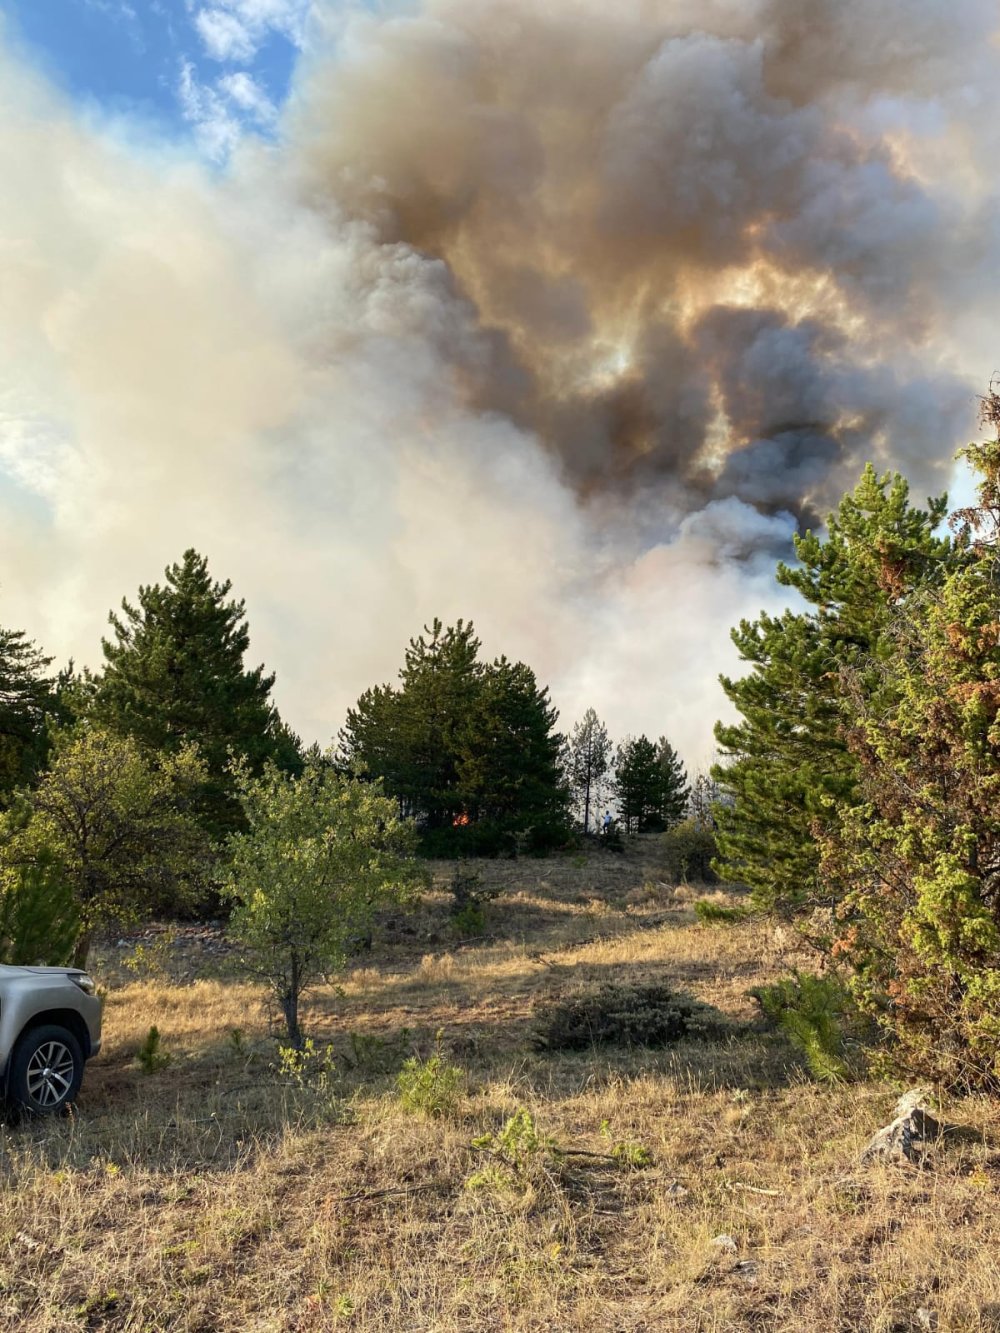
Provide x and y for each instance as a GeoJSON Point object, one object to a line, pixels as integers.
{"type": "Point", "coordinates": [916, 860]}
{"type": "Point", "coordinates": [517, 1146]}
{"type": "Point", "coordinates": [174, 676]}
{"type": "Point", "coordinates": [630, 1154]}
{"type": "Point", "coordinates": [622, 1015]}
{"type": "Point", "coordinates": [26, 696]}
{"type": "Point", "coordinates": [321, 854]}
{"type": "Point", "coordinates": [151, 1056]}
{"type": "Point", "coordinates": [674, 789]}
{"type": "Point", "coordinates": [588, 758]}
{"type": "Point", "coordinates": [814, 1013]}
{"type": "Point", "coordinates": [689, 849]}
{"type": "Point", "coordinates": [308, 1066]}
{"type": "Point", "coordinates": [467, 748]}
{"type": "Point", "coordinates": [430, 1087]}
{"type": "Point", "coordinates": [786, 768]}
{"type": "Point", "coordinates": [639, 785]}
{"type": "Point", "coordinates": [118, 825]}
{"type": "Point", "coordinates": [38, 918]}
{"type": "Point", "coordinates": [717, 914]}
{"type": "Point", "coordinates": [469, 900]}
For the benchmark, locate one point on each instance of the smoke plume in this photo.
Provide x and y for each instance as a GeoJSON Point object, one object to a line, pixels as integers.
{"type": "Point", "coordinates": [561, 316]}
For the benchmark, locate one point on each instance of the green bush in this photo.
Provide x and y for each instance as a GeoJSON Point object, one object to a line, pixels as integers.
{"type": "Point", "coordinates": [150, 1055]}
{"type": "Point", "coordinates": [653, 1015]}
{"type": "Point", "coordinates": [716, 914]}
{"type": "Point", "coordinates": [430, 1087]}
{"type": "Point", "coordinates": [688, 850]}
{"type": "Point", "coordinates": [815, 1013]}
{"type": "Point", "coordinates": [469, 900]}
{"type": "Point", "coordinates": [38, 919]}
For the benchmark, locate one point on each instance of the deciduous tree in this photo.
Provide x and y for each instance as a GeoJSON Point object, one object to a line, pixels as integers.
{"type": "Point", "coordinates": [320, 854]}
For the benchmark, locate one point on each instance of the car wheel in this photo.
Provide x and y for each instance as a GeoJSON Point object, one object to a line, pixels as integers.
{"type": "Point", "coordinates": [46, 1070]}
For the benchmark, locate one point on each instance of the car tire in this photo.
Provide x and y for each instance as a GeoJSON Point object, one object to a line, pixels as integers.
{"type": "Point", "coordinates": [46, 1070]}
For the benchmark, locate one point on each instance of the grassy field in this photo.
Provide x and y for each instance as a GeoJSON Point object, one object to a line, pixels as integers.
{"type": "Point", "coordinates": [220, 1193]}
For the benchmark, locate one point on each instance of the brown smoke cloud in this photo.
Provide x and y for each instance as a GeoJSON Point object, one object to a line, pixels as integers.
{"type": "Point", "coordinates": [683, 258]}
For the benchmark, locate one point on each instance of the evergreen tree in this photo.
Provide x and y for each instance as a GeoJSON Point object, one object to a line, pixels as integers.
{"type": "Point", "coordinates": [509, 769]}
{"type": "Point", "coordinates": [174, 675]}
{"type": "Point", "coordinates": [785, 769]}
{"type": "Point", "coordinates": [589, 761]}
{"type": "Point", "coordinates": [916, 860]}
{"type": "Point", "coordinates": [638, 785]}
{"type": "Point", "coordinates": [466, 748]}
{"type": "Point", "coordinates": [675, 790]}
{"type": "Point", "coordinates": [26, 696]}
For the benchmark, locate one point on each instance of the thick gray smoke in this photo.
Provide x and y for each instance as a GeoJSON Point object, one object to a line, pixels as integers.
{"type": "Point", "coordinates": [689, 251]}
{"type": "Point", "coordinates": [553, 313]}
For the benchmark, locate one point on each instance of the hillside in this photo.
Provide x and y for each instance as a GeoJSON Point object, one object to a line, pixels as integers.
{"type": "Point", "coordinates": [220, 1193]}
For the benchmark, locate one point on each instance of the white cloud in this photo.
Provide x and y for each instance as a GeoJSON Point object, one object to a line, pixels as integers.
{"type": "Point", "coordinates": [234, 30]}
{"type": "Point", "coordinates": [245, 92]}
{"type": "Point", "coordinates": [209, 110]}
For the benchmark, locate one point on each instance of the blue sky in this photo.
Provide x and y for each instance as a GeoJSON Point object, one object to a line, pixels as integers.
{"type": "Point", "coordinates": [204, 70]}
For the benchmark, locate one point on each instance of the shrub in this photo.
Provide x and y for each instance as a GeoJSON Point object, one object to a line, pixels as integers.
{"type": "Point", "coordinates": [653, 1015]}
{"type": "Point", "coordinates": [150, 1055]}
{"type": "Point", "coordinates": [469, 899]}
{"type": "Point", "coordinates": [716, 914]}
{"type": "Point", "coordinates": [430, 1087]}
{"type": "Point", "coordinates": [814, 1013]}
{"type": "Point", "coordinates": [38, 918]}
{"type": "Point", "coordinates": [689, 849]}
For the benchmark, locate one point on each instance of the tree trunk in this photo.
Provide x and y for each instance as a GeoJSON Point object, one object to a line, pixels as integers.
{"type": "Point", "coordinates": [290, 1007]}
{"type": "Point", "coordinates": [81, 949]}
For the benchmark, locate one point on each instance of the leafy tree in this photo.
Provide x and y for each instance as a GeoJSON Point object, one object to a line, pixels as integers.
{"type": "Point", "coordinates": [26, 693]}
{"type": "Point", "coordinates": [917, 858]}
{"type": "Point", "coordinates": [118, 825]}
{"type": "Point", "coordinates": [638, 784]}
{"type": "Point", "coordinates": [589, 761]}
{"type": "Point", "coordinates": [785, 768]}
{"type": "Point", "coordinates": [675, 791]}
{"type": "Point", "coordinates": [174, 675]}
{"type": "Point", "coordinates": [321, 853]}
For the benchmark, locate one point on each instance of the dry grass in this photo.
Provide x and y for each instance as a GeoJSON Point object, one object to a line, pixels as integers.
{"type": "Point", "coordinates": [217, 1194]}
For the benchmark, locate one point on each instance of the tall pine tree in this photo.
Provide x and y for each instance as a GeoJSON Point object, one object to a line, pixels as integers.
{"type": "Point", "coordinates": [675, 789]}
{"type": "Point", "coordinates": [638, 785]}
{"type": "Point", "coordinates": [467, 748]}
{"type": "Point", "coordinates": [589, 754]}
{"type": "Point", "coordinates": [174, 674]}
{"type": "Point", "coordinates": [786, 772]}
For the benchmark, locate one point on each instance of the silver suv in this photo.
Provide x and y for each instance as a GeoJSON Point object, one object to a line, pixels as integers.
{"type": "Point", "coordinates": [50, 1025]}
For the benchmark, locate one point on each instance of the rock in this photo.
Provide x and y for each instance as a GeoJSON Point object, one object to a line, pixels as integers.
{"type": "Point", "coordinates": [723, 1244]}
{"type": "Point", "coordinates": [908, 1137]}
{"type": "Point", "coordinates": [747, 1269]}
{"type": "Point", "coordinates": [926, 1319]}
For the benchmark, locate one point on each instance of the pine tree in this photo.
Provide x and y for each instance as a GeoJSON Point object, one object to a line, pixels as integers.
{"type": "Point", "coordinates": [675, 790]}
{"type": "Point", "coordinates": [589, 754]}
{"type": "Point", "coordinates": [638, 785]}
{"type": "Point", "coordinates": [468, 749]}
{"type": "Point", "coordinates": [509, 770]}
{"type": "Point", "coordinates": [785, 768]}
{"type": "Point", "coordinates": [916, 860]}
{"type": "Point", "coordinates": [26, 696]}
{"type": "Point", "coordinates": [174, 675]}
